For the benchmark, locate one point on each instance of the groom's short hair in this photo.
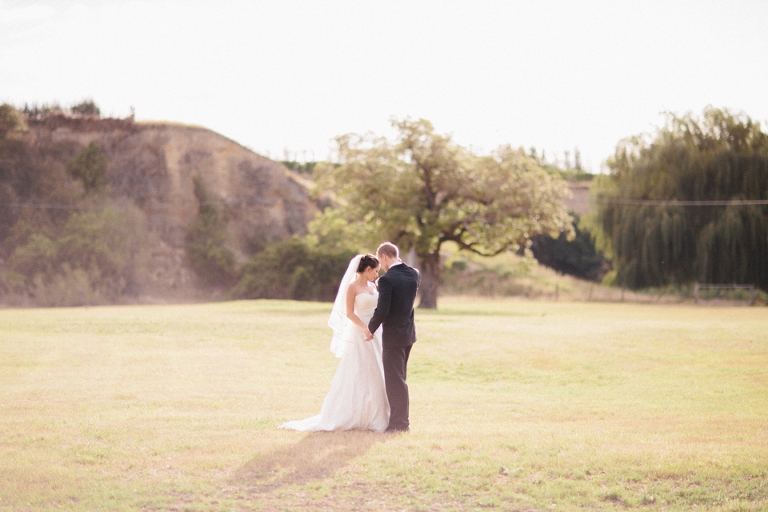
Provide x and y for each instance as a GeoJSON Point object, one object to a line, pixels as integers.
{"type": "Point", "coordinates": [389, 250]}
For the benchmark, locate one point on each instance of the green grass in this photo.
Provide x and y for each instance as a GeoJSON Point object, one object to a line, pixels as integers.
{"type": "Point", "coordinates": [516, 405]}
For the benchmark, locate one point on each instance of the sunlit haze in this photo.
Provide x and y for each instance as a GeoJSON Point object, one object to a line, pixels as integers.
{"type": "Point", "coordinates": [285, 77]}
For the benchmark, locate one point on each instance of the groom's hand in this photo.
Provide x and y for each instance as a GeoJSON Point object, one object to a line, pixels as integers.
{"type": "Point", "coordinates": [368, 335]}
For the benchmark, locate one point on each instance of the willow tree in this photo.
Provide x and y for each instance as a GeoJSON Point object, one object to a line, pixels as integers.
{"type": "Point", "coordinates": [423, 190]}
{"type": "Point", "coordinates": [687, 204]}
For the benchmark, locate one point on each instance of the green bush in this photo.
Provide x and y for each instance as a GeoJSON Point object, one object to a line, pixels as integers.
{"type": "Point", "coordinates": [86, 108]}
{"type": "Point", "coordinates": [89, 166]}
{"type": "Point", "coordinates": [293, 269]}
{"type": "Point", "coordinates": [206, 240]}
{"type": "Point", "coordinates": [577, 257]}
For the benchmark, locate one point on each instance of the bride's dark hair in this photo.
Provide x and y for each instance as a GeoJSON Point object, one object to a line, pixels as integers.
{"type": "Point", "coordinates": [368, 260]}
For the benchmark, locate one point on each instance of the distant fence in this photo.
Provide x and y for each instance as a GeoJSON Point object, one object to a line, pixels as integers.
{"type": "Point", "coordinates": [698, 286]}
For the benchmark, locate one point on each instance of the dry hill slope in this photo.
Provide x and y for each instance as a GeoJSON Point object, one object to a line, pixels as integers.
{"type": "Point", "coordinates": [154, 165]}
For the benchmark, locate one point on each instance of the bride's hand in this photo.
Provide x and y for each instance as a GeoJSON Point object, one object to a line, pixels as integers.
{"type": "Point", "coordinates": [368, 335]}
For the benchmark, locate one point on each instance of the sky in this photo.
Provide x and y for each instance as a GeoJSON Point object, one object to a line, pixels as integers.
{"type": "Point", "coordinates": [285, 77]}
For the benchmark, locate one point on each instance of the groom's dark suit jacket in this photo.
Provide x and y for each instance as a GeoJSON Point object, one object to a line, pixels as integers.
{"type": "Point", "coordinates": [397, 292]}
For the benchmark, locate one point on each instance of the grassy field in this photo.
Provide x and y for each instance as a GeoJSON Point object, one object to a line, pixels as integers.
{"type": "Point", "coordinates": [515, 406]}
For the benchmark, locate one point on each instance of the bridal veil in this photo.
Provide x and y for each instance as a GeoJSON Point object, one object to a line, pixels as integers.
{"type": "Point", "coordinates": [338, 320]}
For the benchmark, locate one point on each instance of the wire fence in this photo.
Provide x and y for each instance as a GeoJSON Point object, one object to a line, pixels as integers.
{"type": "Point", "coordinates": [698, 287]}
{"type": "Point", "coordinates": [745, 202]}
{"type": "Point", "coordinates": [182, 204]}
{"type": "Point", "coordinates": [166, 206]}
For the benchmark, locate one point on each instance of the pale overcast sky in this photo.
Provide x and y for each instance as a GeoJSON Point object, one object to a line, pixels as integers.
{"type": "Point", "coordinates": [293, 74]}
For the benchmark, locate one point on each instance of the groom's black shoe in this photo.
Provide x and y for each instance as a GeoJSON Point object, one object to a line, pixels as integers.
{"type": "Point", "coordinates": [394, 430]}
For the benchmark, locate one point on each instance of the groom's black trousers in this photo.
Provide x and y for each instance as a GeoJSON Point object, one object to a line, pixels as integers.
{"type": "Point", "coordinates": [395, 360]}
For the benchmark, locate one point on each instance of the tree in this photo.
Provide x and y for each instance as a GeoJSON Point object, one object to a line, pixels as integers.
{"type": "Point", "coordinates": [424, 190]}
{"type": "Point", "coordinates": [206, 241]}
{"type": "Point", "coordinates": [86, 108]}
{"type": "Point", "coordinates": [576, 257]}
{"type": "Point", "coordinates": [89, 166]}
{"type": "Point", "coordinates": [686, 205]}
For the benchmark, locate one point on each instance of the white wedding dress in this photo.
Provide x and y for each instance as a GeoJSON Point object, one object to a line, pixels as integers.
{"type": "Point", "coordinates": [357, 399]}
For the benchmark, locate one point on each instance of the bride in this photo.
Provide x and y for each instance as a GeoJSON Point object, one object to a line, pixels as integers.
{"type": "Point", "coordinates": [357, 398]}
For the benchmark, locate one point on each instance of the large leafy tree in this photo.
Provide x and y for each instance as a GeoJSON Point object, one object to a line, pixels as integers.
{"type": "Point", "coordinates": [423, 190]}
{"type": "Point", "coordinates": [687, 204]}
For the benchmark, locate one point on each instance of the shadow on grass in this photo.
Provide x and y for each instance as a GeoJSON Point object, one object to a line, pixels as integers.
{"type": "Point", "coordinates": [317, 456]}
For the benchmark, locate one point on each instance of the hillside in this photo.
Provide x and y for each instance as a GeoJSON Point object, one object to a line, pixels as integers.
{"type": "Point", "coordinates": [154, 165]}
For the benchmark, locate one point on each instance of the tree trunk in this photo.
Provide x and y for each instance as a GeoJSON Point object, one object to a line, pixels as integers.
{"type": "Point", "coordinates": [430, 279]}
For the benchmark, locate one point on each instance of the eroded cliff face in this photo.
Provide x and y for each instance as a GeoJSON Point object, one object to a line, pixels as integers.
{"type": "Point", "coordinates": [154, 164]}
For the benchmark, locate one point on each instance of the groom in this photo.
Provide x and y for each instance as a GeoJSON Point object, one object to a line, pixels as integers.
{"type": "Point", "coordinates": [394, 311]}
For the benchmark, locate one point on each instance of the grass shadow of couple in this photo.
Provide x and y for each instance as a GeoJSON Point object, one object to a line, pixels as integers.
{"type": "Point", "coordinates": [317, 456]}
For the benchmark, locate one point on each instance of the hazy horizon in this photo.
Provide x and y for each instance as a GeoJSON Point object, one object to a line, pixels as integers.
{"type": "Point", "coordinates": [277, 76]}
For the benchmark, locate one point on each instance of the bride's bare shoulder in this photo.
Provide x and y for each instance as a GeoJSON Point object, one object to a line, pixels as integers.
{"type": "Point", "coordinates": [354, 289]}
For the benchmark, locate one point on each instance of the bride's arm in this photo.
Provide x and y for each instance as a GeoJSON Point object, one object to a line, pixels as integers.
{"type": "Point", "coordinates": [351, 294]}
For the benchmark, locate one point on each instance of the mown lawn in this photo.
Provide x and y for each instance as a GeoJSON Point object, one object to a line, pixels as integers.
{"type": "Point", "coordinates": [515, 406]}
